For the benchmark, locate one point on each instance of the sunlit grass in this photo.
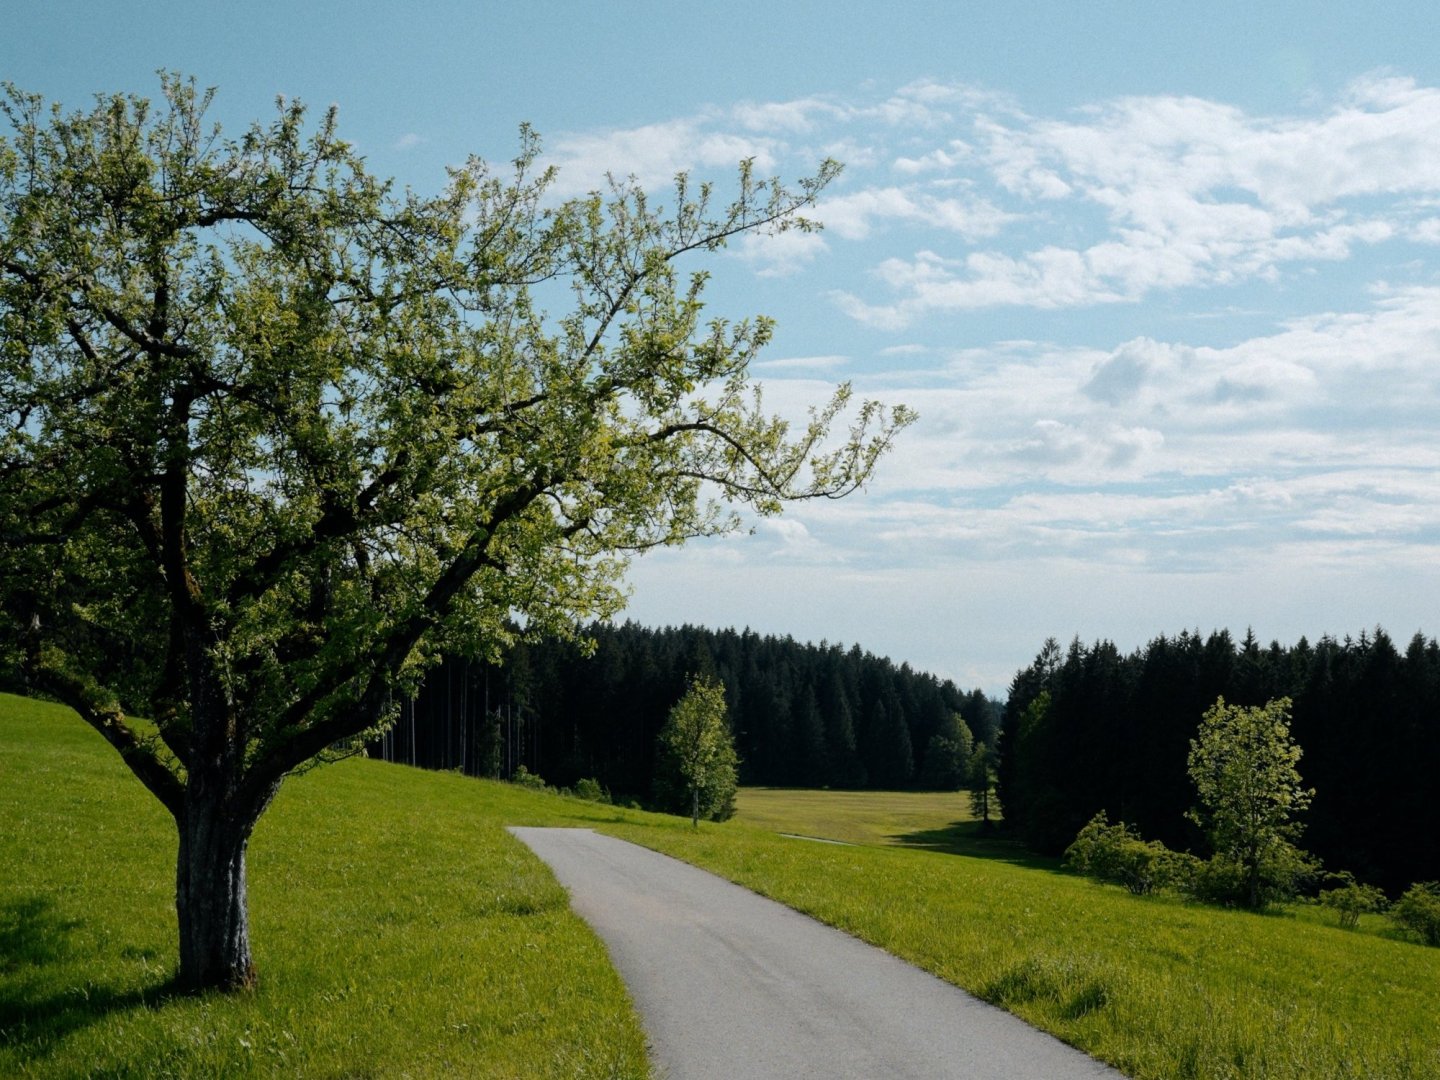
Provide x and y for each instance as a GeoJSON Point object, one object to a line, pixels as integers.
{"type": "Point", "coordinates": [855, 817]}
{"type": "Point", "coordinates": [1157, 987]}
{"type": "Point", "coordinates": [398, 929]}
{"type": "Point", "coordinates": [401, 932]}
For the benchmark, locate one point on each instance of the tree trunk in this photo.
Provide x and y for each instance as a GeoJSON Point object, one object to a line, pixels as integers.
{"type": "Point", "coordinates": [210, 900]}
{"type": "Point", "coordinates": [695, 807]}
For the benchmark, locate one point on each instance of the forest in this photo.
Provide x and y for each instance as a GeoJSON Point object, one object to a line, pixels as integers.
{"type": "Point", "coordinates": [1090, 729]}
{"type": "Point", "coordinates": [803, 715]}
{"type": "Point", "coordinates": [1113, 735]}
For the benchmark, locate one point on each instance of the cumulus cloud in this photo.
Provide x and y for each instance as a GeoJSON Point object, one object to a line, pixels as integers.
{"type": "Point", "coordinates": [854, 216]}
{"type": "Point", "coordinates": [781, 254]}
{"type": "Point", "coordinates": [1171, 378]}
{"type": "Point", "coordinates": [796, 117]}
{"type": "Point", "coordinates": [655, 153]}
{"type": "Point", "coordinates": [1119, 377]}
{"type": "Point", "coordinates": [955, 153]}
{"type": "Point", "coordinates": [1190, 192]}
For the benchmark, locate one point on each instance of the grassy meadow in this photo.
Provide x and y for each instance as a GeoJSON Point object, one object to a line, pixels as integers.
{"type": "Point", "coordinates": [1157, 987]}
{"type": "Point", "coordinates": [923, 818]}
{"type": "Point", "coordinates": [400, 931]}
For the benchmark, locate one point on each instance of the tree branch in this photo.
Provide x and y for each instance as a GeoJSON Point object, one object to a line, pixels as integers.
{"type": "Point", "coordinates": [47, 666]}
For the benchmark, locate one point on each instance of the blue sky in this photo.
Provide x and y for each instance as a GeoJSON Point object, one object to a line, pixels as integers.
{"type": "Point", "coordinates": [1161, 280]}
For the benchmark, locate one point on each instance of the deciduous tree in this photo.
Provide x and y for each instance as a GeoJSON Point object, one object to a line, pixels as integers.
{"type": "Point", "coordinates": [273, 435]}
{"type": "Point", "coordinates": [1243, 764]}
{"type": "Point", "coordinates": [698, 752]}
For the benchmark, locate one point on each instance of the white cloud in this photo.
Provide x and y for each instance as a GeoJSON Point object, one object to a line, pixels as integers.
{"type": "Point", "coordinates": [654, 154]}
{"type": "Point", "coordinates": [801, 363]}
{"type": "Point", "coordinates": [795, 117]}
{"type": "Point", "coordinates": [1192, 193]}
{"type": "Point", "coordinates": [956, 152]}
{"type": "Point", "coordinates": [853, 216]}
{"type": "Point", "coordinates": [1427, 231]}
{"type": "Point", "coordinates": [1120, 376]}
{"type": "Point", "coordinates": [781, 254]}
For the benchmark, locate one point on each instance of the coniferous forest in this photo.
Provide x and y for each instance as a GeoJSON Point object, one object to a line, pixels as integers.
{"type": "Point", "coordinates": [1084, 729]}
{"type": "Point", "coordinates": [1090, 729]}
{"type": "Point", "coordinates": [802, 715]}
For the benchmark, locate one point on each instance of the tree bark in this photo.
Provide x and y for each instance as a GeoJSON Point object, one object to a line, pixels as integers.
{"type": "Point", "coordinates": [695, 807]}
{"type": "Point", "coordinates": [210, 899]}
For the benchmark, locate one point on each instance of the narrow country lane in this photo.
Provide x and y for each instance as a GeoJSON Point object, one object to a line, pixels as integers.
{"type": "Point", "coordinates": [732, 986]}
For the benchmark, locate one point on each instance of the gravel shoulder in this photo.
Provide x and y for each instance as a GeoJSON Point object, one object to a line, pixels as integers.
{"type": "Point", "coordinates": [732, 985]}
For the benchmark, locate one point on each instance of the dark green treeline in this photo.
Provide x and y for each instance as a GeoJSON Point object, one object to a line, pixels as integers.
{"type": "Point", "coordinates": [803, 715]}
{"type": "Point", "coordinates": [1116, 731]}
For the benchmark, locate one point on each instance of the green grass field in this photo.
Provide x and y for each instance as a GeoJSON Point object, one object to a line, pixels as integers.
{"type": "Point", "coordinates": [1157, 987]}
{"type": "Point", "coordinates": [855, 817]}
{"type": "Point", "coordinates": [401, 932]}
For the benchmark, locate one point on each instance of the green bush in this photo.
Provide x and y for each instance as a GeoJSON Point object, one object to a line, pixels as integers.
{"type": "Point", "coordinates": [1419, 911]}
{"type": "Point", "coordinates": [1114, 853]}
{"type": "Point", "coordinates": [1228, 881]}
{"type": "Point", "coordinates": [1219, 880]}
{"type": "Point", "coordinates": [527, 779]}
{"type": "Point", "coordinates": [1349, 899]}
{"type": "Point", "coordinates": [590, 790]}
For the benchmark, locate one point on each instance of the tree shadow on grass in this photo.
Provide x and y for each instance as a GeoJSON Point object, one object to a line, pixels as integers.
{"type": "Point", "coordinates": [32, 934]}
{"type": "Point", "coordinates": [970, 838]}
{"type": "Point", "coordinates": [34, 1015]}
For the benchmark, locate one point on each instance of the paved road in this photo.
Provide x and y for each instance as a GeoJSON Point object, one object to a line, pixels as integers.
{"type": "Point", "coordinates": [732, 986]}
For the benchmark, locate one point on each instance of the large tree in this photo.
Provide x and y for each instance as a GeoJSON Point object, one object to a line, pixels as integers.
{"type": "Point", "coordinates": [273, 435]}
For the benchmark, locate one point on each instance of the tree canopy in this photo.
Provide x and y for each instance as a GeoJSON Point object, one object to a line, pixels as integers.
{"type": "Point", "coordinates": [273, 435]}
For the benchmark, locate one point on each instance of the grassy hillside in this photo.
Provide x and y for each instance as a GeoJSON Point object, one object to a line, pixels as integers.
{"type": "Point", "coordinates": [398, 929]}
{"type": "Point", "coordinates": [1157, 987]}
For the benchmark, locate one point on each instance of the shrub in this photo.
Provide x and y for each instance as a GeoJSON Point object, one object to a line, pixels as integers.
{"type": "Point", "coordinates": [1219, 880]}
{"type": "Point", "coordinates": [1349, 899]}
{"type": "Point", "coordinates": [1114, 853]}
{"type": "Point", "coordinates": [1227, 880]}
{"type": "Point", "coordinates": [1419, 911]}
{"type": "Point", "coordinates": [590, 790]}
{"type": "Point", "coordinates": [525, 778]}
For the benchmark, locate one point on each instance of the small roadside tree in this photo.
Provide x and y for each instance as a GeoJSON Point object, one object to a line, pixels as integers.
{"type": "Point", "coordinates": [697, 752]}
{"type": "Point", "coordinates": [1243, 765]}
{"type": "Point", "coordinates": [981, 774]}
{"type": "Point", "coordinates": [273, 436]}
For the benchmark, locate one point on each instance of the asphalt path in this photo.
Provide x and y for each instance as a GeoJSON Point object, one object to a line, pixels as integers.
{"type": "Point", "coordinates": [732, 986]}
